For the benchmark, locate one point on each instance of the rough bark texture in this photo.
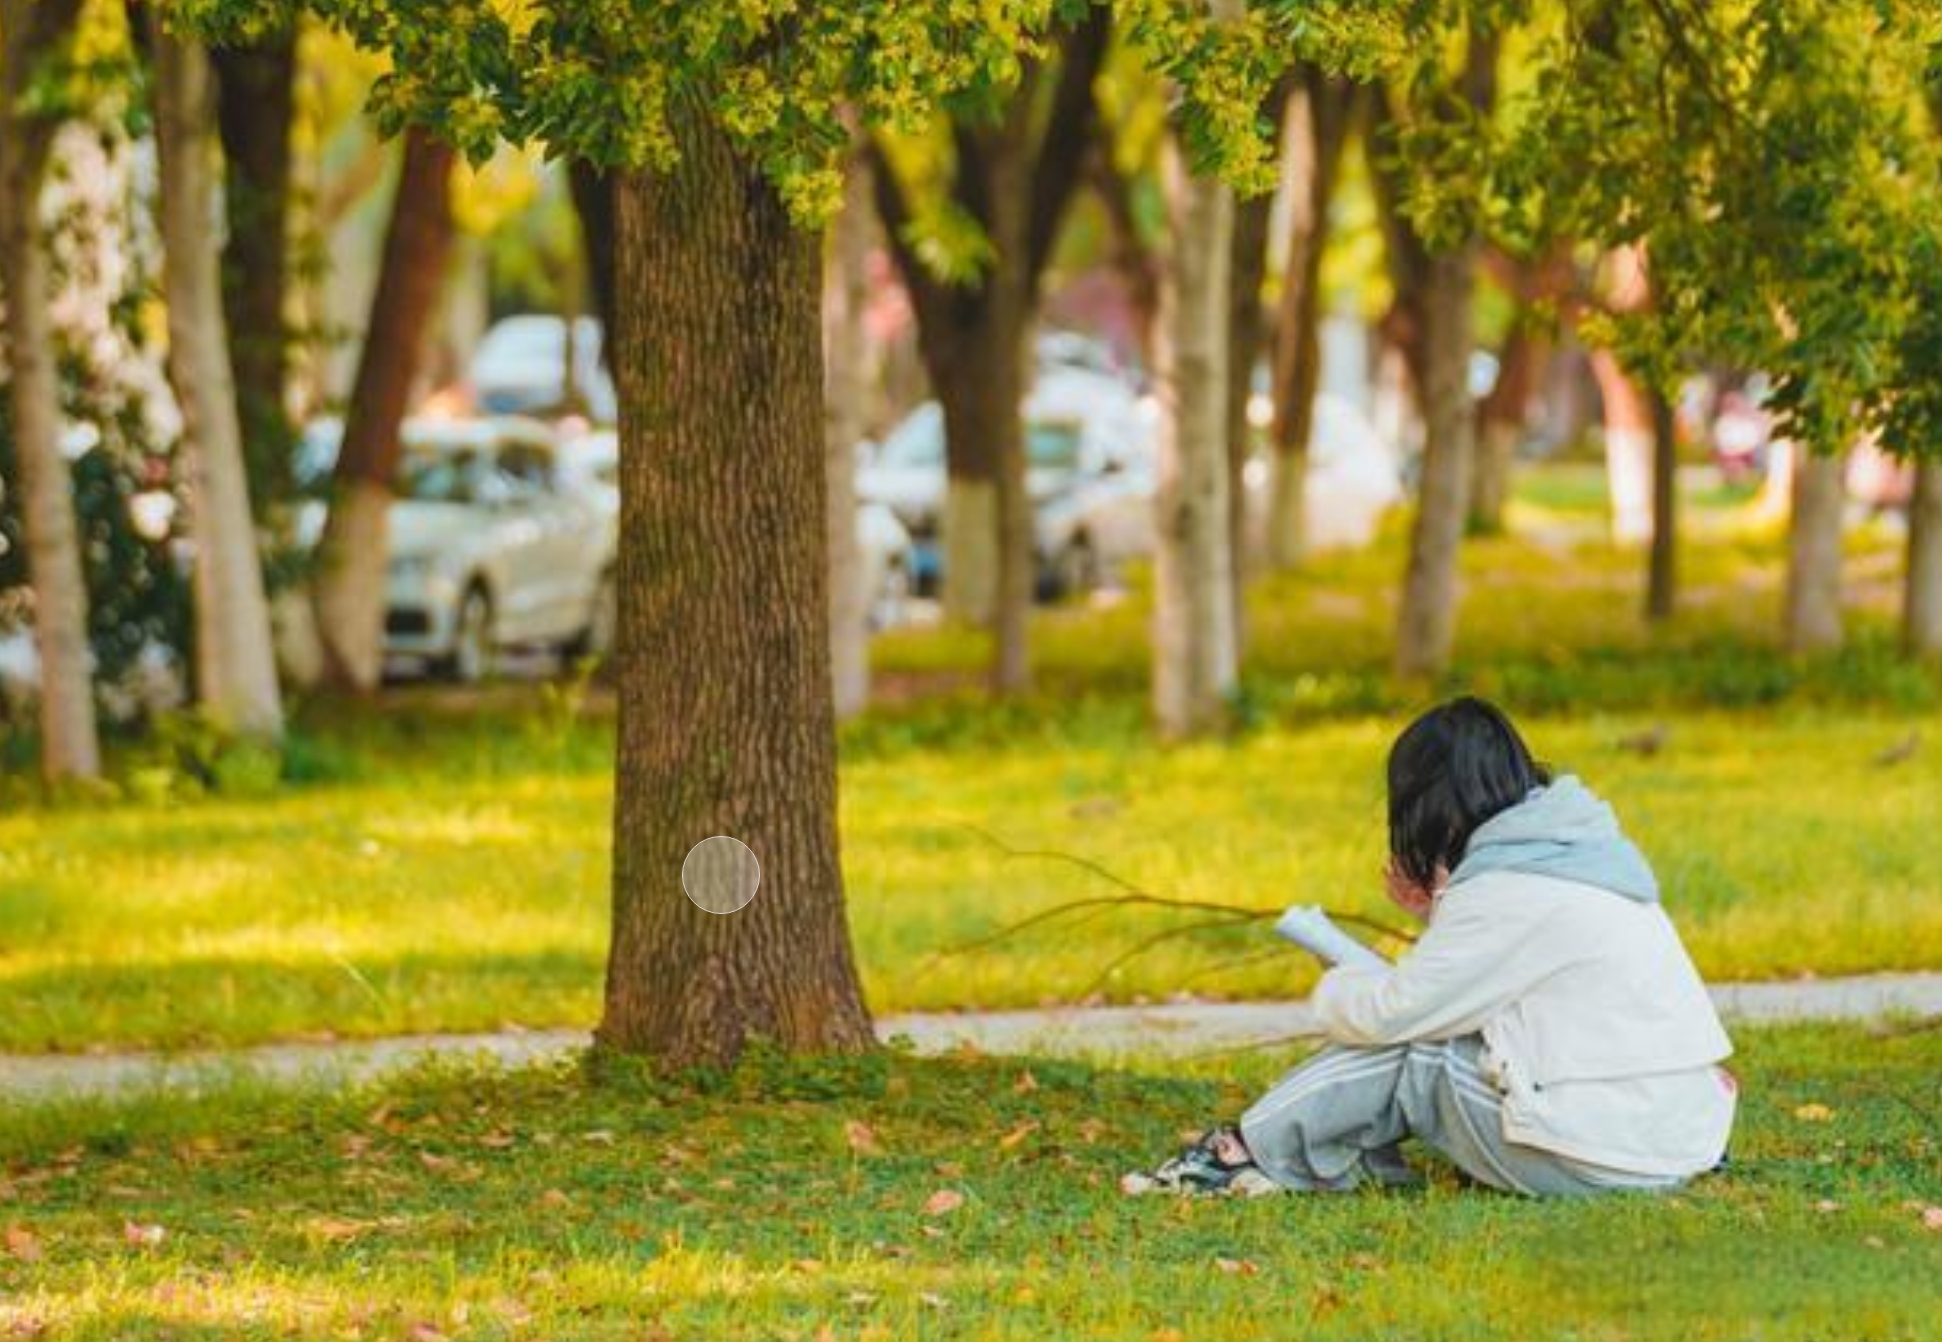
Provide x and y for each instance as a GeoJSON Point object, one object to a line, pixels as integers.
{"type": "Point", "coordinates": [1922, 597]}
{"type": "Point", "coordinates": [726, 724]}
{"type": "Point", "coordinates": [1194, 648]}
{"type": "Point", "coordinates": [1246, 329]}
{"type": "Point", "coordinates": [1014, 176]}
{"type": "Point", "coordinates": [1813, 615]}
{"type": "Point", "coordinates": [351, 558]}
{"type": "Point", "coordinates": [1662, 565]}
{"type": "Point", "coordinates": [846, 347]}
{"type": "Point", "coordinates": [1319, 131]}
{"type": "Point", "coordinates": [69, 745]}
{"type": "Point", "coordinates": [255, 109]}
{"type": "Point", "coordinates": [235, 659]}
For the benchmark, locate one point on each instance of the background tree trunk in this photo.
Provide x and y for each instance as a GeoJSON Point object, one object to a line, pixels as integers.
{"type": "Point", "coordinates": [1922, 597]}
{"type": "Point", "coordinates": [846, 345]}
{"type": "Point", "coordinates": [1426, 619]}
{"type": "Point", "coordinates": [1321, 115]}
{"type": "Point", "coordinates": [1500, 423]}
{"type": "Point", "coordinates": [235, 658]}
{"type": "Point", "coordinates": [593, 202]}
{"type": "Point", "coordinates": [1662, 565]}
{"type": "Point", "coordinates": [1813, 615]}
{"type": "Point", "coordinates": [1194, 652]}
{"type": "Point", "coordinates": [726, 724]}
{"type": "Point", "coordinates": [1246, 330]}
{"type": "Point", "coordinates": [256, 107]}
{"type": "Point", "coordinates": [352, 557]}
{"type": "Point", "coordinates": [69, 746]}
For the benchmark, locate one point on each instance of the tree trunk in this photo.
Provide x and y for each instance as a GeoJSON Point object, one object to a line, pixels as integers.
{"type": "Point", "coordinates": [1426, 621]}
{"type": "Point", "coordinates": [1500, 423]}
{"type": "Point", "coordinates": [255, 110]}
{"type": "Point", "coordinates": [980, 390]}
{"type": "Point", "coordinates": [593, 202]}
{"type": "Point", "coordinates": [1194, 654]}
{"type": "Point", "coordinates": [1922, 598]}
{"type": "Point", "coordinates": [69, 745]}
{"type": "Point", "coordinates": [1318, 133]}
{"type": "Point", "coordinates": [846, 345]}
{"type": "Point", "coordinates": [726, 724]}
{"type": "Point", "coordinates": [352, 557]}
{"type": "Point", "coordinates": [1662, 570]}
{"type": "Point", "coordinates": [1813, 619]}
{"type": "Point", "coordinates": [235, 658]}
{"type": "Point", "coordinates": [1246, 329]}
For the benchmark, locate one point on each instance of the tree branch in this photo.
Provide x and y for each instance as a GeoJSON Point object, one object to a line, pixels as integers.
{"type": "Point", "coordinates": [1067, 133]}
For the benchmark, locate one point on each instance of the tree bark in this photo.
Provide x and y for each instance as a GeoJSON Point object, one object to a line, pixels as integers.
{"type": "Point", "coordinates": [1922, 597]}
{"type": "Point", "coordinates": [235, 659]}
{"type": "Point", "coordinates": [1324, 112]}
{"type": "Point", "coordinates": [1813, 616]}
{"type": "Point", "coordinates": [1662, 565]}
{"type": "Point", "coordinates": [69, 746]}
{"type": "Point", "coordinates": [1194, 651]}
{"type": "Point", "coordinates": [1246, 329]}
{"type": "Point", "coordinates": [352, 557]}
{"type": "Point", "coordinates": [726, 725]}
{"type": "Point", "coordinates": [846, 345]}
{"type": "Point", "coordinates": [256, 107]}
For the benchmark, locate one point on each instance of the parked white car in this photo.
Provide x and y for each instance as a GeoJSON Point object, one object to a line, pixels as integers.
{"type": "Point", "coordinates": [519, 368]}
{"type": "Point", "coordinates": [1088, 533]}
{"type": "Point", "coordinates": [590, 463]}
{"type": "Point", "coordinates": [1078, 423]}
{"type": "Point", "coordinates": [489, 548]}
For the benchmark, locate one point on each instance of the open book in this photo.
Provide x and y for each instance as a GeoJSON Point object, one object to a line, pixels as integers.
{"type": "Point", "coordinates": [1312, 930]}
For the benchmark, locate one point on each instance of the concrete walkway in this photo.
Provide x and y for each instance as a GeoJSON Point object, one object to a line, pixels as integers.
{"type": "Point", "coordinates": [1175, 1028]}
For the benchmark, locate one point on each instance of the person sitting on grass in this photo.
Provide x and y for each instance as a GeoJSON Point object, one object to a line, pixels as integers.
{"type": "Point", "coordinates": [1548, 1033]}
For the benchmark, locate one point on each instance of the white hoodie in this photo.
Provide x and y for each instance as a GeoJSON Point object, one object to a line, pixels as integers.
{"type": "Point", "coordinates": [1598, 1030]}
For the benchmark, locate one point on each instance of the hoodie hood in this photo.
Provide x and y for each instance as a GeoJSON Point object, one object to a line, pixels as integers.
{"type": "Point", "coordinates": [1565, 831]}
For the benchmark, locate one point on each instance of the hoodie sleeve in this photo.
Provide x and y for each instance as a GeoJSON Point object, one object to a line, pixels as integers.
{"type": "Point", "coordinates": [1478, 955]}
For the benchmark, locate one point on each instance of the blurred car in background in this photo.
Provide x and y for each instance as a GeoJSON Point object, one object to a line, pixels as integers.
{"type": "Point", "coordinates": [590, 463]}
{"type": "Point", "coordinates": [490, 547]}
{"type": "Point", "coordinates": [1079, 422]}
{"type": "Point", "coordinates": [519, 368]}
{"type": "Point", "coordinates": [1089, 531]}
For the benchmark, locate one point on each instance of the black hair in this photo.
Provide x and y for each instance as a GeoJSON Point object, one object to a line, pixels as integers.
{"type": "Point", "coordinates": [1452, 769]}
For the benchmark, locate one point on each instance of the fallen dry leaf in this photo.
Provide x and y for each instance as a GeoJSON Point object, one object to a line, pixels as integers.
{"type": "Point", "coordinates": [555, 1198]}
{"type": "Point", "coordinates": [1026, 1083]}
{"type": "Point", "coordinates": [943, 1202]}
{"type": "Point", "coordinates": [1932, 1218]}
{"type": "Point", "coordinates": [1245, 1267]}
{"type": "Point", "coordinates": [1814, 1113]}
{"type": "Point", "coordinates": [862, 1138]}
{"type": "Point", "coordinates": [1018, 1134]}
{"type": "Point", "coordinates": [424, 1332]}
{"type": "Point", "coordinates": [23, 1244]}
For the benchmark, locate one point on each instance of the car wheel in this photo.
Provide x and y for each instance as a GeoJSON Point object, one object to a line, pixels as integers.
{"type": "Point", "coordinates": [470, 659]}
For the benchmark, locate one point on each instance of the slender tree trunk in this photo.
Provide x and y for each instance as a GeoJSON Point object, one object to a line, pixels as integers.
{"type": "Point", "coordinates": [256, 108]}
{"type": "Point", "coordinates": [352, 557]}
{"type": "Point", "coordinates": [1922, 598]}
{"type": "Point", "coordinates": [1426, 620]}
{"type": "Point", "coordinates": [846, 345]}
{"type": "Point", "coordinates": [1628, 447]}
{"type": "Point", "coordinates": [1246, 329]}
{"type": "Point", "coordinates": [726, 724]}
{"type": "Point", "coordinates": [1813, 620]}
{"type": "Point", "coordinates": [593, 202]}
{"type": "Point", "coordinates": [69, 745]}
{"type": "Point", "coordinates": [980, 389]}
{"type": "Point", "coordinates": [1662, 570]}
{"type": "Point", "coordinates": [235, 658]}
{"type": "Point", "coordinates": [1194, 652]}
{"type": "Point", "coordinates": [1500, 423]}
{"type": "Point", "coordinates": [1318, 132]}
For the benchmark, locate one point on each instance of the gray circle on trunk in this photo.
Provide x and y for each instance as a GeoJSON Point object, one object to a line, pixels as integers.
{"type": "Point", "coordinates": [721, 874]}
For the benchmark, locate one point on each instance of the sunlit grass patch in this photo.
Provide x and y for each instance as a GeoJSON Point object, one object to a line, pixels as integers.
{"type": "Point", "coordinates": [790, 1197]}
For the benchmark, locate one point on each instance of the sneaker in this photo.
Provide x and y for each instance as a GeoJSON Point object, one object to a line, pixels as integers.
{"type": "Point", "coordinates": [1202, 1170]}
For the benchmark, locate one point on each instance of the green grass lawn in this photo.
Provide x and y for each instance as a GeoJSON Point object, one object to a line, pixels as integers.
{"type": "Point", "coordinates": [802, 1200]}
{"type": "Point", "coordinates": [440, 866]}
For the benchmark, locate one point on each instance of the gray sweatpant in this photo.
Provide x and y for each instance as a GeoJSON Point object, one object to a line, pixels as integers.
{"type": "Point", "coordinates": [1343, 1114]}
